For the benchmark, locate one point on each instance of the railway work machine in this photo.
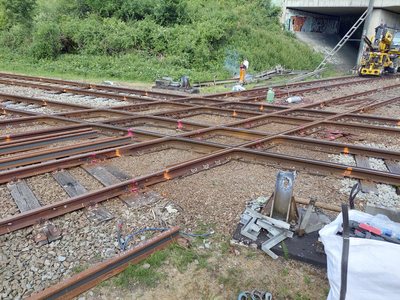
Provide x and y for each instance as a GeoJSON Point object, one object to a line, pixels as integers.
{"type": "Point", "coordinates": [383, 53]}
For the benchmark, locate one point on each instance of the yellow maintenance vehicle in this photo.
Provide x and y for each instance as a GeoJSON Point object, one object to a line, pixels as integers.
{"type": "Point", "coordinates": [382, 54]}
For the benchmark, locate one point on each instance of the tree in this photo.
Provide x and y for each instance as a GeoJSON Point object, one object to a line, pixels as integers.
{"type": "Point", "coordinates": [18, 11]}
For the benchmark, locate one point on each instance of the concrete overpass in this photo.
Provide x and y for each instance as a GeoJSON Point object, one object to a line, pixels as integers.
{"type": "Point", "coordinates": [311, 18]}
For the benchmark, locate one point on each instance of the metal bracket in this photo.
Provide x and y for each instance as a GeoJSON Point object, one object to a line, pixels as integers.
{"type": "Point", "coordinates": [306, 217]}
{"type": "Point", "coordinates": [277, 230]}
{"type": "Point", "coordinates": [303, 229]}
{"type": "Point", "coordinates": [282, 201]}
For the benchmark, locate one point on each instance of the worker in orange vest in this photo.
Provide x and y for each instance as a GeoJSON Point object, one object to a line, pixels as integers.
{"type": "Point", "coordinates": [243, 67]}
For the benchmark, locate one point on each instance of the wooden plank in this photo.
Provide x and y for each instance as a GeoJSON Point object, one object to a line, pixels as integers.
{"type": "Point", "coordinates": [69, 183]}
{"type": "Point", "coordinates": [366, 186]}
{"type": "Point", "coordinates": [392, 166]}
{"type": "Point", "coordinates": [117, 172]}
{"type": "Point", "coordinates": [101, 174]}
{"type": "Point", "coordinates": [73, 188]}
{"type": "Point", "coordinates": [369, 186]}
{"type": "Point", "coordinates": [108, 174]}
{"type": "Point", "coordinates": [23, 196]}
{"type": "Point", "coordinates": [362, 161]}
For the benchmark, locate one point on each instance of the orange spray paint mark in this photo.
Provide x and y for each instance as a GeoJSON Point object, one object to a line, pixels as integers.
{"type": "Point", "coordinates": [117, 153]}
{"type": "Point", "coordinates": [146, 93]}
{"type": "Point", "coordinates": [234, 113]}
{"type": "Point", "coordinates": [262, 107]}
{"type": "Point", "coordinates": [348, 171]}
{"type": "Point", "coordinates": [166, 175]}
{"type": "Point", "coordinates": [346, 150]}
{"type": "Point", "coordinates": [226, 95]}
{"type": "Point", "coordinates": [398, 123]}
{"type": "Point", "coordinates": [124, 97]}
{"type": "Point", "coordinates": [40, 79]}
{"type": "Point", "coordinates": [8, 138]}
{"type": "Point", "coordinates": [44, 102]}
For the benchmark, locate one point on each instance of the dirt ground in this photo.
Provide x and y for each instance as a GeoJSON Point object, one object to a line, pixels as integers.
{"type": "Point", "coordinates": [224, 277]}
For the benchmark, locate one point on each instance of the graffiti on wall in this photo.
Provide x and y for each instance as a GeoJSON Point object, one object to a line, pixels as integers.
{"type": "Point", "coordinates": [308, 22]}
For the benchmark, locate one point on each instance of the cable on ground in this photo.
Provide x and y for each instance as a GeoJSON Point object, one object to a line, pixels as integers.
{"type": "Point", "coordinates": [162, 229]}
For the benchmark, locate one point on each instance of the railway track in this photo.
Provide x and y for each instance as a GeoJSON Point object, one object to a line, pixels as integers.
{"type": "Point", "coordinates": [66, 167]}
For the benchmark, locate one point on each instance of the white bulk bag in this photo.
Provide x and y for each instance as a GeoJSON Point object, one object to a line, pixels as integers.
{"type": "Point", "coordinates": [374, 266]}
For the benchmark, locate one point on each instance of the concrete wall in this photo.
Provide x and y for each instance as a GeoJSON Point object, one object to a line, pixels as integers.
{"type": "Point", "coordinates": [340, 3]}
{"type": "Point", "coordinates": [309, 22]}
{"type": "Point", "coordinates": [385, 18]}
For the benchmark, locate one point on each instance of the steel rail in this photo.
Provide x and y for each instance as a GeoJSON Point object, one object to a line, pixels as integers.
{"type": "Point", "coordinates": [34, 120]}
{"type": "Point", "coordinates": [85, 280]}
{"type": "Point", "coordinates": [57, 121]}
{"type": "Point", "coordinates": [11, 147]}
{"type": "Point", "coordinates": [292, 85]}
{"type": "Point", "coordinates": [177, 114]}
{"type": "Point", "coordinates": [11, 140]}
{"type": "Point", "coordinates": [44, 79]}
{"type": "Point", "coordinates": [261, 92]}
{"type": "Point", "coordinates": [93, 112]}
{"type": "Point", "coordinates": [85, 92]}
{"type": "Point", "coordinates": [320, 168]}
{"type": "Point", "coordinates": [155, 121]}
{"type": "Point", "coordinates": [90, 85]}
{"type": "Point", "coordinates": [369, 119]}
{"type": "Point", "coordinates": [219, 130]}
{"type": "Point", "coordinates": [42, 102]}
{"type": "Point", "coordinates": [328, 119]}
{"type": "Point", "coordinates": [307, 106]}
{"type": "Point", "coordinates": [57, 152]}
{"type": "Point", "coordinates": [326, 147]}
{"type": "Point", "coordinates": [43, 133]}
{"type": "Point", "coordinates": [18, 113]}
{"type": "Point", "coordinates": [100, 155]}
{"type": "Point", "coordinates": [80, 85]}
{"type": "Point", "coordinates": [198, 100]}
{"type": "Point", "coordinates": [280, 93]}
{"type": "Point", "coordinates": [146, 106]}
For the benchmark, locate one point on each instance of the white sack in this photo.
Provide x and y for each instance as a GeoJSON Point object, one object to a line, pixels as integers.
{"type": "Point", "coordinates": [374, 266]}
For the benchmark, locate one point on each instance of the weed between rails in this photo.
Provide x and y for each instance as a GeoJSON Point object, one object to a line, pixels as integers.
{"type": "Point", "coordinates": [149, 276]}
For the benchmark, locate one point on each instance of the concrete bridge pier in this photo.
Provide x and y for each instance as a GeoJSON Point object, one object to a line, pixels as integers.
{"type": "Point", "coordinates": [322, 23]}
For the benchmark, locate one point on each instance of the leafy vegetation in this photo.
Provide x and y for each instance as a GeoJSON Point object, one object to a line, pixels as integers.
{"type": "Point", "coordinates": [177, 256]}
{"type": "Point", "coordinates": [80, 269]}
{"type": "Point", "coordinates": [144, 39]}
{"type": "Point", "coordinates": [286, 254]}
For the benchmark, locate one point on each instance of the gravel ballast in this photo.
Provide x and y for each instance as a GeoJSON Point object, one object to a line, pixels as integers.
{"type": "Point", "coordinates": [211, 119]}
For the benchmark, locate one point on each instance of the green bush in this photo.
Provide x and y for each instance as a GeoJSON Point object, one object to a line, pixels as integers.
{"type": "Point", "coordinates": [45, 40]}
{"type": "Point", "coordinates": [145, 39]}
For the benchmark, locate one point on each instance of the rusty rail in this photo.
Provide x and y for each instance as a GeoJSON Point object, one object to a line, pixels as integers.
{"type": "Point", "coordinates": [186, 168]}
{"type": "Point", "coordinates": [112, 89]}
{"type": "Point", "coordinates": [89, 278]}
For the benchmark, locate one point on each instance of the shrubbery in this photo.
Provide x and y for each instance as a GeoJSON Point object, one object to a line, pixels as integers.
{"type": "Point", "coordinates": [144, 39]}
